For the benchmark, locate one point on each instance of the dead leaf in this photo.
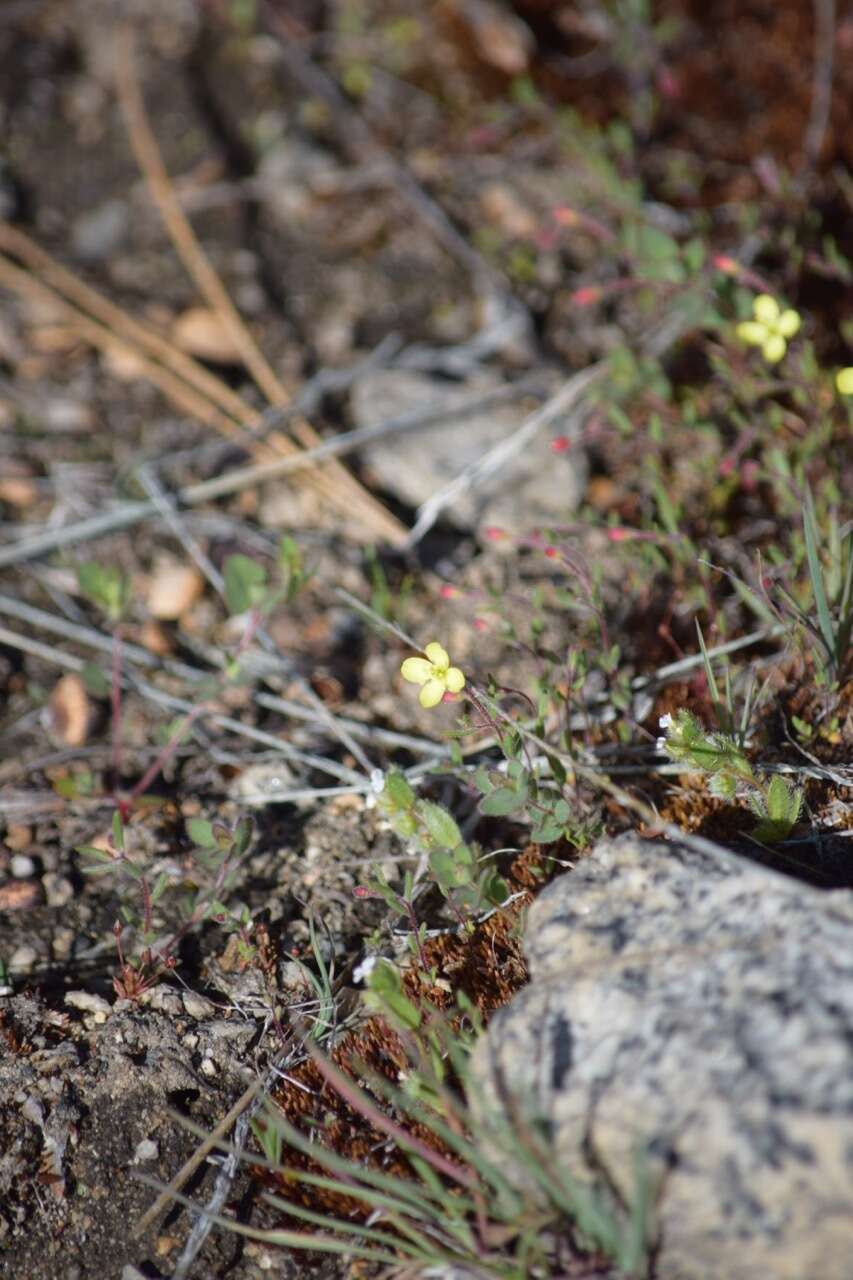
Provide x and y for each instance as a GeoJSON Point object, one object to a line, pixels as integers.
{"type": "Point", "coordinates": [69, 711]}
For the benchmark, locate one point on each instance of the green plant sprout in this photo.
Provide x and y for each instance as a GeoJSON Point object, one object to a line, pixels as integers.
{"type": "Point", "coordinates": [775, 803]}
{"type": "Point", "coordinates": [453, 865]}
{"type": "Point", "coordinates": [217, 854]}
{"type": "Point", "coordinates": [248, 589]}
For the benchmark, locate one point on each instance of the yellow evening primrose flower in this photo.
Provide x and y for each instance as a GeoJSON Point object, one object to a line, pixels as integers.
{"type": "Point", "coordinates": [770, 329]}
{"type": "Point", "coordinates": [434, 674]}
{"type": "Point", "coordinates": [844, 381]}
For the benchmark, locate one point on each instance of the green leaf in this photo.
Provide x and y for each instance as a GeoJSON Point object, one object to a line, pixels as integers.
{"type": "Point", "coordinates": [450, 870]}
{"type": "Point", "coordinates": [783, 802]}
{"type": "Point", "coordinates": [243, 833]}
{"type": "Point", "coordinates": [810, 530]}
{"type": "Point", "coordinates": [385, 987]}
{"type": "Point", "coordinates": [503, 801]}
{"type": "Point", "coordinates": [90, 851]}
{"type": "Point", "coordinates": [160, 886]}
{"type": "Point", "coordinates": [548, 830]}
{"type": "Point", "coordinates": [118, 830]}
{"type": "Point", "coordinates": [440, 825]}
{"type": "Point", "coordinates": [483, 782]}
{"type": "Point", "coordinates": [201, 832]}
{"type": "Point", "coordinates": [245, 583]}
{"type": "Point", "coordinates": [398, 791]}
{"type": "Point", "coordinates": [95, 681]}
{"type": "Point", "coordinates": [106, 586]}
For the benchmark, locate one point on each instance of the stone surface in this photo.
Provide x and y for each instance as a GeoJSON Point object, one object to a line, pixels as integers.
{"type": "Point", "coordinates": [537, 487]}
{"type": "Point", "coordinates": [705, 1012]}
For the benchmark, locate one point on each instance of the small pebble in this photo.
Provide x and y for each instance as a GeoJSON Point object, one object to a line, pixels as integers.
{"type": "Point", "coordinates": [146, 1150]}
{"type": "Point", "coordinates": [22, 959]}
{"type": "Point", "coordinates": [18, 837]}
{"type": "Point", "coordinates": [58, 889]}
{"type": "Point", "coordinates": [88, 1002]}
{"type": "Point", "coordinates": [22, 867]}
{"type": "Point", "coordinates": [197, 1006]}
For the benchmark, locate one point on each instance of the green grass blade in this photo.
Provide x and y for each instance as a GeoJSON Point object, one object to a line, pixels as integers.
{"type": "Point", "coordinates": [810, 531]}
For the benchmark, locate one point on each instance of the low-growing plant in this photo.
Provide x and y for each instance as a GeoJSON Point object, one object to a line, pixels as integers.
{"type": "Point", "coordinates": [775, 803]}
{"type": "Point", "coordinates": [217, 855]}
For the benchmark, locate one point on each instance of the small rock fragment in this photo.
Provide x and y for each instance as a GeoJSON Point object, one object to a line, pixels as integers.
{"type": "Point", "coordinates": [20, 895]}
{"type": "Point", "coordinates": [198, 1006]}
{"type": "Point", "coordinates": [145, 1150]}
{"type": "Point", "coordinates": [89, 1002]}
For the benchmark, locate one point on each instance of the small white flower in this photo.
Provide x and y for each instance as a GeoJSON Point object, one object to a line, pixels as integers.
{"type": "Point", "coordinates": [377, 786]}
{"type": "Point", "coordinates": [665, 722]}
{"type": "Point", "coordinates": [363, 971]}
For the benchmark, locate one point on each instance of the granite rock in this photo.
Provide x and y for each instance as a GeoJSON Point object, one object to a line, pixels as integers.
{"type": "Point", "coordinates": [538, 487]}
{"type": "Point", "coordinates": [702, 1011]}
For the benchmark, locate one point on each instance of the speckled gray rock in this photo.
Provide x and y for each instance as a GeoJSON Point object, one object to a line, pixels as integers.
{"type": "Point", "coordinates": [705, 1011]}
{"type": "Point", "coordinates": [537, 487]}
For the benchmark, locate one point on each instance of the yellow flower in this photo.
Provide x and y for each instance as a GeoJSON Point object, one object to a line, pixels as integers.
{"type": "Point", "coordinates": [435, 675]}
{"type": "Point", "coordinates": [844, 381]}
{"type": "Point", "coordinates": [770, 329]}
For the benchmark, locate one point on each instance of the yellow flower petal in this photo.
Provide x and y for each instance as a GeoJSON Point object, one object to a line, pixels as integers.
{"type": "Point", "coordinates": [774, 348]}
{"type": "Point", "coordinates": [844, 381]}
{"type": "Point", "coordinates": [437, 656]}
{"type": "Point", "coordinates": [752, 332]}
{"type": "Point", "coordinates": [432, 693]}
{"type": "Point", "coordinates": [455, 680]}
{"type": "Point", "coordinates": [789, 323]}
{"type": "Point", "coordinates": [766, 309]}
{"type": "Point", "coordinates": [416, 670]}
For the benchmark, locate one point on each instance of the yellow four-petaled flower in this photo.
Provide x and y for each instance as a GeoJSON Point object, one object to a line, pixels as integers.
{"type": "Point", "coordinates": [434, 674]}
{"type": "Point", "coordinates": [770, 329]}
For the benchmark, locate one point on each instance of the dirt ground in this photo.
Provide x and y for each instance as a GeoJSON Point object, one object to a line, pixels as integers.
{"type": "Point", "coordinates": [402, 204]}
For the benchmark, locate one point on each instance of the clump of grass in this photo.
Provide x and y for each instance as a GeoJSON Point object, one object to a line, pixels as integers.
{"type": "Point", "coordinates": [484, 1198]}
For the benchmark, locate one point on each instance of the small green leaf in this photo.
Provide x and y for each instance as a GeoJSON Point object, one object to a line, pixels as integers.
{"type": "Point", "coordinates": [90, 851]}
{"type": "Point", "coordinates": [450, 869]}
{"type": "Point", "coordinates": [548, 830]}
{"type": "Point", "coordinates": [503, 801]}
{"type": "Point", "coordinates": [245, 583]}
{"type": "Point", "coordinates": [201, 832]}
{"type": "Point", "coordinates": [95, 681]}
{"type": "Point", "coordinates": [440, 825]}
{"type": "Point", "coordinates": [106, 586]}
{"type": "Point", "coordinates": [118, 830]}
{"type": "Point", "coordinates": [243, 833]}
{"type": "Point", "coordinates": [398, 791]}
{"type": "Point", "coordinates": [160, 886]}
{"type": "Point", "coordinates": [483, 782]}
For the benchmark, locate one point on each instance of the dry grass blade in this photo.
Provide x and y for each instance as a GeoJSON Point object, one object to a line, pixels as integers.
{"type": "Point", "coordinates": [187, 399]}
{"type": "Point", "coordinates": [342, 487]}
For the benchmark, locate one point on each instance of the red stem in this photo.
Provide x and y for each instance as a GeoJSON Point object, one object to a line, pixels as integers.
{"type": "Point", "coordinates": [115, 700]}
{"type": "Point", "coordinates": [166, 754]}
